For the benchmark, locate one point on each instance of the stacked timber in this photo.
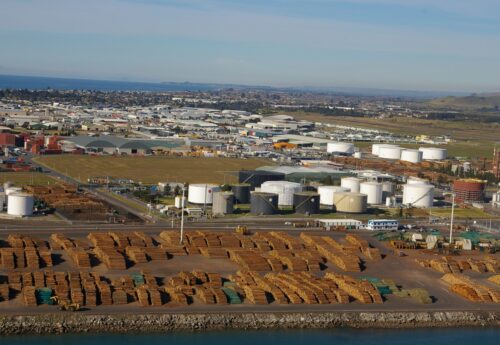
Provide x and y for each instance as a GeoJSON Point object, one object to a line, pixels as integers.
{"type": "Point", "coordinates": [136, 254]}
{"type": "Point", "coordinates": [29, 297]}
{"type": "Point", "coordinates": [143, 296]}
{"type": "Point", "coordinates": [291, 242]}
{"type": "Point", "coordinates": [4, 292]}
{"type": "Point", "coordinates": [214, 253]}
{"type": "Point", "coordinates": [159, 253]}
{"type": "Point", "coordinates": [15, 280]}
{"type": "Point", "coordinates": [177, 297]}
{"type": "Point", "coordinates": [80, 257]}
{"type": "Point", "coordinates": [119, 296]}
{"type": "Point", "coordinates": [7, 258]}
{"type": "Point", "coordinates": [90, 293]}
{"type": "Point", "coordinates": [249, 259]}
{"type": "Point", "coordinates": [155, 296]}
{"type": "Point", "coordinates": [470, 289]}
{"type": "Point", "coordinates": [205, 295]}
{"type": "Point", "coordinates": [363, 291]}
{"type": "Point", "coordinates": [112, 258]}
{"type": "Point", "coordinates": [105, 296]}
{"type": "Point", "coordinates": [255, 295]}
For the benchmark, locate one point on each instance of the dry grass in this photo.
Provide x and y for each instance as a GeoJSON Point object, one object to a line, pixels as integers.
{"type": "Point", "coordinates": [151, 170]}
{"type": "Point", "coordinates": [459, 130]}
{"type": "Point", "coordinates": [25, 178]}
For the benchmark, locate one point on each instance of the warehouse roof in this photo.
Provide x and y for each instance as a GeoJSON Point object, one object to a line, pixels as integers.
{"type": "Point", "coordinates": [106, 141]}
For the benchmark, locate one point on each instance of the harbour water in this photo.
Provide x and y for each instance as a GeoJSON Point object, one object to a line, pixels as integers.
{"type": "Point", "coordinates": [436, 336]}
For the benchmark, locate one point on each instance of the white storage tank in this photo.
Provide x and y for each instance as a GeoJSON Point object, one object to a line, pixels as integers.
{"type": "Point", "coordinates": [12, 190]}
{"type": "Point", "coordinates": [412, 156]}
{"type": "Point", "coordinates": [20, 204]}
{"type": "Point", "coordinates": [376, 148]}
{"type": "Point", "coordinates": [327, 194]}
{"type": "Point", "coordinates": [340, 148]}
{"type": "Point", "coordinates": [390, 152]}
{"type": "Point", "coordinates": [418, 195]}
{"type": "Point", "coordinates": [351, 183]}
{"type": "Point", "coordinates": [284, 189]}
{"type": "Point", "coordinates": [358, 155]}
{"type": "Point", "coordinates": [180, 201]}
{"type": "Point", "coordinates": [373, 191]}
{"type": "Point", "coordinates": [433, 153]}
{"type": "Point", "coordinates": [416, 180]}
{"type": "Point", "coordinates": [202, 193]}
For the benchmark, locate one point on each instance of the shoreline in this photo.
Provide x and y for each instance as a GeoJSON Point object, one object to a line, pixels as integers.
{"type": "Point", "coordinates": [59, 323]}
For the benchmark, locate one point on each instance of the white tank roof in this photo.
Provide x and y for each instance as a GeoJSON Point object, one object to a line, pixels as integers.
{"type": "Point", "coordinates": [327, 193]}
{"type": "Point", "coordinates": [284, 189]}
{"type": "Point", "coordinates": [390, 152]}
{"type": "Point", "coordinates": [351, 183]}
{"type": "Point", "coordinates": [433, 153]}
{"type": "Point", "coordinates": [340, 147]}
{"type": "Point", "coordinates": [410, 155]}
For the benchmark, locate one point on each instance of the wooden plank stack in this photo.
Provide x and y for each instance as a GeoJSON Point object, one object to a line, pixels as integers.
{"type": "Point", "coordinates": [29, 297]}
{"type": "Point", "coordinates": [467, 288]}
{"type": "Point", "coordinates": [7, 258]}
{"type": "Point", "coordinates": [255, 295]}
{"type": "Point", "coordinates": [136, 254]}
{"type": "Point", "coordinates": [249, 259]}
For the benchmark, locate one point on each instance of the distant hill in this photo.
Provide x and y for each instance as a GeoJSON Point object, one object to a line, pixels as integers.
{"type": "Point", "coordinates": [484, 101]}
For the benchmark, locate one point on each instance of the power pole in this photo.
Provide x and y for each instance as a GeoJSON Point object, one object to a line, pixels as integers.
{"type": "Point", "coordinates": [182, 216]}
{"type": "Point", "coordinates": [452, 215]}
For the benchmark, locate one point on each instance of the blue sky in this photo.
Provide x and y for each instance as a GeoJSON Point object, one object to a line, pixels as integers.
{"type": "Point", "coordinates": [449, 45]}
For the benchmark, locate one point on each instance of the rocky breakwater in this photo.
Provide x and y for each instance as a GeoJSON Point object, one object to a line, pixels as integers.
{"type": "Point", "coordinates": [83, 322]}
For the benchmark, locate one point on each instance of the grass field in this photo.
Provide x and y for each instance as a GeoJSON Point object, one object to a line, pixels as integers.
{"type": "Point", "coordinates": [460, 130]}
{"type": "Point", "coordinates": [151, 170]}
{"type": "Point", "coordinates": [460, 213]}
{"type": "Point", "coordinates": [25, 178]}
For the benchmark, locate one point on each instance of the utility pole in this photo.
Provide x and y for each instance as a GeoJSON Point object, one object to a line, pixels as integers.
{"type": "Point", "coordinates": [182, 216]}
{"type": "Point", "coordinates": [452, 215]}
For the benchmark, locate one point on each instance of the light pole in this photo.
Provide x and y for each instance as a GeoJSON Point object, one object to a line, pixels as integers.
{"type": "Point", "coordinates": [452, 215]}
{"type": "Point", "coordinates": [182, 216]}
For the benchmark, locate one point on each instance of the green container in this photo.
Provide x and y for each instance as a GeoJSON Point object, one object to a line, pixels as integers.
{"type": "Point", "coordinates": [138, 279]}
{"type": "Point", "coordinates": [43, 296]}
{"type": "Point", "coordinates": [232, 296]}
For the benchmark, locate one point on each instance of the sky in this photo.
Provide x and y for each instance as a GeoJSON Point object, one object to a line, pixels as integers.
{"type": "Point", "coordinates": [431, 45]}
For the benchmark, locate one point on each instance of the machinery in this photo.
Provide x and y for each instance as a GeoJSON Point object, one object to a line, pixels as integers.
{"type": "Point", "coordinates": [243, 230]}
{"type": "Point", "coordinates": [65, 305]}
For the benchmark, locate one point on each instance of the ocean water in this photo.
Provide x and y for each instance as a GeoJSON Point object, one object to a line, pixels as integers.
{"type": "Point", "coordinates": [443, 336]}
{"type": "Point", "coordinates": [39, 83]}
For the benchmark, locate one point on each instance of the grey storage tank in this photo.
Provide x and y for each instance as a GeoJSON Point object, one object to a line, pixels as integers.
{"type": "Point", "coordinates": [241, 193]}
{"type": "Point", "coordinates": [223, 203]}
{"type": "Point", "coordinates": [263, 203]}
{"type": "Point", "coordinates": [257, 177]}
{"type": "Point", "coordinates": [309, 189]}
{"type": "Point", "coordinates": [306, 202]}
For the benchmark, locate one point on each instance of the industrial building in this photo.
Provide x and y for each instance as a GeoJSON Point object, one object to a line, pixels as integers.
{"type": "Point", "coordinates": [382, 224]}
{"type": "Point", "coordinates": [330, 224]}
{"type": "Point", "coordinates": [118, 145]}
